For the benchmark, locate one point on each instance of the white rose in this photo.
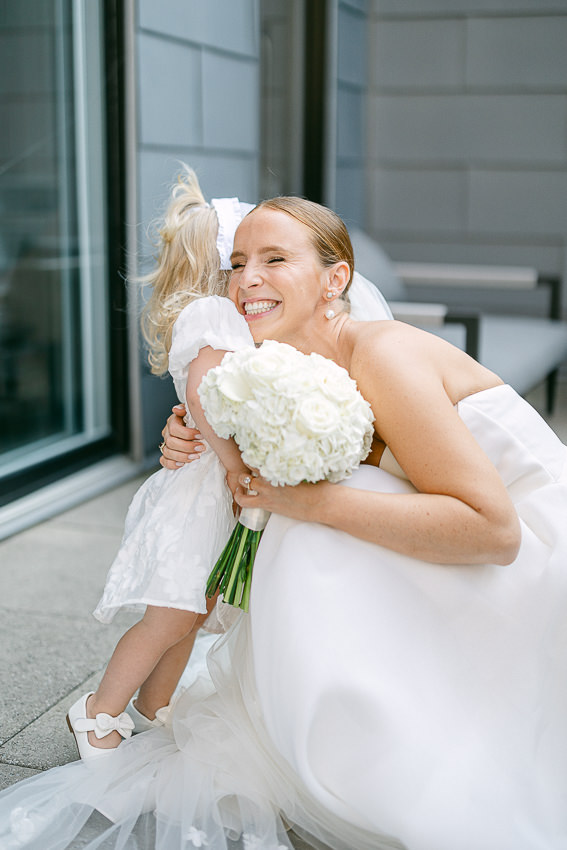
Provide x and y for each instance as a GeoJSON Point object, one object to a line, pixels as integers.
{"type": "Point", "coordinates": [317, 415]}
{"type": "Point", "coordinates": [220, 415]}
{"type": "Point", "coordinates": [234, 385]}
{"type": "Point", "coordinates": [270, 361]}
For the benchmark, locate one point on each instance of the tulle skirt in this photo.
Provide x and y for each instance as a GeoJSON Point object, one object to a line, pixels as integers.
{"type": "Point", "coordinates": [212, 779]}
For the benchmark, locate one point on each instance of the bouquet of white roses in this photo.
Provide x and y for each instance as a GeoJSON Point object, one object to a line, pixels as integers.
{"type": "Point", "coordinates": [295, 417]}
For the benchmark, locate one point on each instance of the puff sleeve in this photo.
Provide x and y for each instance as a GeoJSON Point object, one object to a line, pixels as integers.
{"type": "Point", "coordinates": [211, 321]}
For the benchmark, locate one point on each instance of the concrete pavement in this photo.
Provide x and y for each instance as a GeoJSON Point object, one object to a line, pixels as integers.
{"type": "Point", "coordinates": [52, 649]}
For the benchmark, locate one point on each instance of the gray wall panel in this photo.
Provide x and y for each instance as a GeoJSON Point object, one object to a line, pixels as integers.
{"type": "Point", "coordinates": [519, 202]}
{"type": "Point", "coordinates": [517, 52]}
{"type": "Point", "coordinates": [421, 56]}
{"type": "Point", "coordinates": [417, 201]}
{"type": "Point", "coordinates": [504, 252]}
{"type": "Point", "coordinates": [231, 99]}
{"type": "Point", "coordinates": [227, 24]}
{"type": "Point", "coordinates": [458, 128]}
{"type": "Point", "coordinates": [170, 80]}
{"type": "Point", "coordinates": [464, 7]}
{"type": "Point", "coordinates": [469, 94]}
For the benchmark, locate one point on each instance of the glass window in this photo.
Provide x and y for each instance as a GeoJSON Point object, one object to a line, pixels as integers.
{"type": "Point", "coordinates": [54, 346]}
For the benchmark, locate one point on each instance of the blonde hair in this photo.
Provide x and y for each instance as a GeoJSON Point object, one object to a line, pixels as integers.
{"type": "Point", "coordinates": [188, 265]}
{"type": "Point", "coordinates": [328, 231]}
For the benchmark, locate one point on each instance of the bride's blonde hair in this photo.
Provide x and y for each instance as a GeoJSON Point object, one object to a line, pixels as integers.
{"type": "Point", "coordinates": [329, 233]}
{"type": "Point", "coordinates": [188, 265]}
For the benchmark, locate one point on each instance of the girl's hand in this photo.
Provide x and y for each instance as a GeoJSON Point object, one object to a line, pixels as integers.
{"type": "Point", "coordinates": [299, 502]}
{"type": "Point", "coordinates": [180, 444]}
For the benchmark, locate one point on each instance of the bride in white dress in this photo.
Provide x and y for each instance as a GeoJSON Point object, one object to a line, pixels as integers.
{"type": "Point", "coordinates": [401, 678]}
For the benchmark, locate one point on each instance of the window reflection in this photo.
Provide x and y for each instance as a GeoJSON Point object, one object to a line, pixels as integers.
{"type": "Point", "coordinates": [53, 326]}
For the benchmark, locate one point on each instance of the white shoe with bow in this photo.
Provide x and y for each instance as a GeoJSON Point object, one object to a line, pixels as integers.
{"type": "Point", "coordinates": [143, 723]}
{"type": "Point", "coordinates": [162, 718]}
{"type": "Point", "coordinates": [102, 725]}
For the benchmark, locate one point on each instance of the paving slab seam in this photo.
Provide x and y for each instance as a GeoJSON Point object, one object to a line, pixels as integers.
{"type": "Point", "coordinates": [61, 615]}
{"type": "Point", "coordinates": [47, 709]}
{"type": "Point", "coordinates": [16, 764]}
{"type": "Point", "coordinates": [80, 525]}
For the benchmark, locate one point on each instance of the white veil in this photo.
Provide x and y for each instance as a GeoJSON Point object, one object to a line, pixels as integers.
{"type": "Point", "coordinates": [366, 301]}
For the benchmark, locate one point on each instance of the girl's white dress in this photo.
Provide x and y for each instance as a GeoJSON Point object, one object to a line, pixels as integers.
{"type": "Point", "coordinates": [179, 520]}
{"type": "Point", "coordinates": [366, 694]}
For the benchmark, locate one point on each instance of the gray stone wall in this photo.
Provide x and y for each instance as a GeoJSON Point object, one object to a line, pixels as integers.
{"type": "Point", "coordinates": [467, 131]}
{"type": "Point", "coordinates": [198, 96]}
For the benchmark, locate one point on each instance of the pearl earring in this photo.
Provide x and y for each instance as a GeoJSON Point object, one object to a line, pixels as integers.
{"type": "Point", "coordinates": [329, 314]}
{"type": "Point", "coordinates": [330, 295]}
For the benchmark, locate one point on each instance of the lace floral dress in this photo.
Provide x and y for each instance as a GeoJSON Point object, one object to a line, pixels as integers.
{"type": "Point", "coordinates": [179, 520]}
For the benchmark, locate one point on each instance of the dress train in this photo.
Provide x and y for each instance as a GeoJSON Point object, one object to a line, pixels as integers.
{"type": "Point", "coordinates": [212, 779]}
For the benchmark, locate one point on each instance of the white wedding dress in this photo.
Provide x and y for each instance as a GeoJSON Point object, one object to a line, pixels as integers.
{"type": "Point", "coordinates": [427, 701]}
{"type": "Point", "coordinates": [366, 694]}
{"type": "Point", "coordinates": [369, 700]}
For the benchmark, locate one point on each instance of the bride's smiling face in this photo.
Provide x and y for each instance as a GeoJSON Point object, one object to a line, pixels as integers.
{"type": "Point", "coordinates": [277, 282]}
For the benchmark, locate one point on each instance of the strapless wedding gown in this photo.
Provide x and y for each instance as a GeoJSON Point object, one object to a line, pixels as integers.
{"type": "Point", "coordinates": [369, 700]}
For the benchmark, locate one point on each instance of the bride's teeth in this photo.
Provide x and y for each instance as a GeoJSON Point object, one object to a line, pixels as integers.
{"type": "Point", "coordinates": [259, 307]}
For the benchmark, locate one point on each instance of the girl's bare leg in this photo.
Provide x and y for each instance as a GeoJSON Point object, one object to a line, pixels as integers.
{"type": "Point", "coordinates": [157, 689]}
{"type": "Point", "coordinates": [136, 655]}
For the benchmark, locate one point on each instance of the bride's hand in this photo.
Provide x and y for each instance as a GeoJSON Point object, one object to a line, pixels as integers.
{"type": "Point", "coordinates": [180, 444]}
{"type": "Point", "coordinates": [233, 482]}
{"type": "Point", "coordinates": [299, 502]}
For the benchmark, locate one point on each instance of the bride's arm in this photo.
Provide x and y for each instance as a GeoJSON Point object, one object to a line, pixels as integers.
{"type": "Point", "coordinates": [462, 513]}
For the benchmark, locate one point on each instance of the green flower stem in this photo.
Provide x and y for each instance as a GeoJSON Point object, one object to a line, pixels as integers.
{"type": "Point", "coordinates": [216, 575]}
{"type": "Point", "coordinates": [245, 602]}
{"type": "Point", "coordinates": [229, 594]}
{"type": "Point", "coordinates": [232, 573]}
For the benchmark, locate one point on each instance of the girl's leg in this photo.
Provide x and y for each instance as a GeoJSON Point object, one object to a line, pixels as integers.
{"type": "Point", "coordinates": [157, 689]}
{"type": "Point", "coordinates": [136, 654]}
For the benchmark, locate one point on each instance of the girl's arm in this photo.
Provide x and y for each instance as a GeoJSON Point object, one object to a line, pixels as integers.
{"type": "Point", "coordinates": [462, 513]}
{"type": "Point", "coordinates": [226, 450]}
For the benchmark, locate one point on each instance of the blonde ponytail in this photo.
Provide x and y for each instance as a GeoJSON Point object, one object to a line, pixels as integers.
{"type": "Point", "coordinates": [188, 266]}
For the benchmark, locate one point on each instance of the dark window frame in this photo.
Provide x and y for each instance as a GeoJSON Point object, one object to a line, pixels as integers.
{"type": "Point", "coordinates": [315, 118]}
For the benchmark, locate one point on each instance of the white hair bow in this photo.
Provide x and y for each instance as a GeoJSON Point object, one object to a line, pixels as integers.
{"type": "Point", "coordinates": [230, 212]}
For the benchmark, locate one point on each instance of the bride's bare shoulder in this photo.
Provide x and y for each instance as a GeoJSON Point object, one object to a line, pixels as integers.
{"type": "Point", "coordinates": [388, 338]}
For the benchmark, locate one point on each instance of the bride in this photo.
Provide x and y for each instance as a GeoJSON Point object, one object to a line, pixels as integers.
{"type": "Point", "coordinates": [400, 680]}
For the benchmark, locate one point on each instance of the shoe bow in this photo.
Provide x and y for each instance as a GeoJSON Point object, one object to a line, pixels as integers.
{"type": "Point", "coordinates": [103, 724]}
{"type": "Point", "coordinates": [163, 714]}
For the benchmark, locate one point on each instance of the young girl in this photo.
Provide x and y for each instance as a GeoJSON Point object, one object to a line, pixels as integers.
{"type": "Point", "coordinates": [179, 521]}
